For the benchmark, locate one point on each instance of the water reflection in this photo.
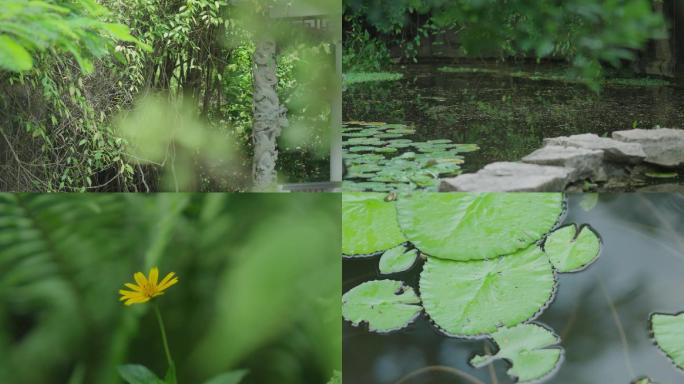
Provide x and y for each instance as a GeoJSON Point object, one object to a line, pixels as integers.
{"type": "Point", "coordinates": [507, 117]}
{"type": "Point", "coordinates": [601, 313]}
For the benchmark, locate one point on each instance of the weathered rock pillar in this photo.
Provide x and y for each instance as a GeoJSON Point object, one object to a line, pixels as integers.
{"type": "Point", "coordinates": [269, 115]}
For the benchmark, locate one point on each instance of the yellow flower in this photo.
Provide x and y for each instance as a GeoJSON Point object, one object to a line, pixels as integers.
{"type": "Point", "coordinates": [147, 289]}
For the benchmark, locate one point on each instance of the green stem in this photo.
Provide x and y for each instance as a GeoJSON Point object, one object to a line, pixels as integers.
{"type": "Point", "coordinates": [166, 343]}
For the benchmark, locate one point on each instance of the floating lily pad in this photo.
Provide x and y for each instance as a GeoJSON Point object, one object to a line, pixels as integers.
{"type": "Point", "coordinates": [435, 159]}
{"type": "Point", "coordinates": [397, 259]}
{"type": "Point", "coordinates": [662, 175]}
{"type": "Point", "coordinates": [643, 380]}
{"type": "Point", "coordinates": [469, 299]}
{"type": "Point", "coordinates": [364, 141]}
{"type": "Point", "coordinates": [530, 348]}
{"type": "Point", "coordinates": [571, 251]}
{"type": "Point", "coordinates": [369, 224]}
{"type": "Point", "coordinates": [668, 333]}
{"type": "Point", "coordinates": [468, 226]}
{"type": "Point", "coordinates": [362, 148]}
{"type": "Point", "coordinates": [385, 150]}
{"type": "Point", "coordinates": [589, 201]}
{"type": "Point", "coordinates": [386, 305]}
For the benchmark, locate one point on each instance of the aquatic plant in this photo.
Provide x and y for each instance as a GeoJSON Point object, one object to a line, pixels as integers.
{"type": "Point", "coordinates": [381, 157]}
{"type": "Point", "coordinates": [490, 268]}
{"type": "Point", "coordinates": [367, 77]}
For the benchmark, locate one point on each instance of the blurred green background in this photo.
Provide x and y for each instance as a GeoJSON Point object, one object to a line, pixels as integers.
{"type": "Point", "coordinates": [259, 286]}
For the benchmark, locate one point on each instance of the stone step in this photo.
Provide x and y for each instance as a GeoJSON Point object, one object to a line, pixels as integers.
{"type": "Point", "coordinates": [510, 177]}
{"type": "Point", "coordinates": [663, 146]}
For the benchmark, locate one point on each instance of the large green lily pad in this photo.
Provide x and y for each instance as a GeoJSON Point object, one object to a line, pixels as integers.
{"type": "Point", "coordinates": [570, 251]}
{"type": "Point", "coordinates": [469, 226]}
{"type": "Point", "coordinates": [668, 333]}
{"type": "Point", "coordinates": [386, 305]}
{"type": "Point", "coordinates": [475, 298]}
{"type": "Point", "coordinates": [397, 259]}
{"type": "Point", "coordinates": [369, 224]}
{"type": "Point", "coordinates": [530, 350]}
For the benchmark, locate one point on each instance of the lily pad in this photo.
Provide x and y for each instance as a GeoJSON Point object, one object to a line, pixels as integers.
{"type": "Point", "coordinates": [530, 348]}
{"type": "Point", "coordinates": [668, 333]}
{"type": "Point", "coordinates": [386, 305]}
{"type": "Point", "coordinates": [397, 259]}
{"type": "Point", "coordinates": [643, 380]}
{"type": "Point", "coordinates": [369, 224]}
{"type": "Point", "coordinates": [662, 175]}
{"type": "Point", "coordinates": [570, 251]}
{"type": "Point", "coordinates": [470, 299]}
{"type": "Point", "coordinates": [468, 226]}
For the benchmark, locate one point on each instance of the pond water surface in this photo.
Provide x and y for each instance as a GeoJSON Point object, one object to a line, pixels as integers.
{"type": "Point", "coordinates": [601, 313]}
{"type": "Point", "coordinates": [508, 117]}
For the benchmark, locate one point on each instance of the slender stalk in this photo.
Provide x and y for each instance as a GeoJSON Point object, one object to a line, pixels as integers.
{"type": "Point", "coordinates": [169, 360]}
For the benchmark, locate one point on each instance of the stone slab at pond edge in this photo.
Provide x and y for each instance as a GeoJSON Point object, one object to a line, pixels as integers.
{"type": "Point", "coordinates": [614, 150]}
{"type": "Point", "coordinates": [663, 146]}
{"type": "Point", "coordinates": [510, 177]}
{"type": "Point", "coordinates": [585, 163]}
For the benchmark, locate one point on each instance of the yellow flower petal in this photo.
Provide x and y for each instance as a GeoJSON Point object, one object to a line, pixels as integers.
{"type": "Point", "coordinates": [167, 284]}
{"type": "Point", "coordinates": [137, 300]}
{"type": "Point", "coordinates": [154, 275]}
{"type": "Point", "coordinates": [140, 279]}
{"type": "Point", "coordinates": [166, 279]}
{"type": "Point", "coordinates": [134, 287]}
{"type": "Point", "coordinates": [129, 293]}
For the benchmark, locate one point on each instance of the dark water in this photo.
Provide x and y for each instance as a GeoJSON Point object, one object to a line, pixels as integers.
{"type": "Point", "coordinates": [508, 117]}
{"type": "Point", "coordinates": [640, 270]}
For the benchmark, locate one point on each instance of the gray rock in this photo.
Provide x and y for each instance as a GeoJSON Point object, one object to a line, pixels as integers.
{"type": "Point", "coordinates": [663, 146]}
{"type": "Point", "coordinates": [586, 163]}
{"type": "Point", "coordinates": [510, 177]}
{"type": "Point", "coordinates": [614, 150]}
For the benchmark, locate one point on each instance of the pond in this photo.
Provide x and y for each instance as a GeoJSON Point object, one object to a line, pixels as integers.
{"type": "Point", "coordinates": [601, 313]}
{"type": "Point", "coordinates": [508, 116]}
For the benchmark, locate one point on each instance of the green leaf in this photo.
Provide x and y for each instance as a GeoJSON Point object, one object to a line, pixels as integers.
{"type": "Point", "coordinates": [13, 56]}
{"type": "Point", "coordinates": [570, 251]}
{"type": "Point", "coordinates": [643, 380]}
{"type": "Point", "coordinates": [397, 259]}
{"type": "Point", "coordinates": [233, 377]}
{"type": "Point", "coordinates": [526, 347]}
{"type": "Point", "coordinates": [386, 305]}
{"type": "Point", "coordinates": [138, 374]}
{"type": "Point", "coordinates": [467, 299]}
{"type": "Point", "coordinates": [170, 377]}
{"type": "Point", "coordinates": [119, 31]}
{"type": "Point", "coordinates": [468, 226]}
{"type": "Point", "coordinates": [336, 378]}
{"type": "Point", "coordinates": [668, 333]}
{"type": "Point", "coordinates": [369, 224]}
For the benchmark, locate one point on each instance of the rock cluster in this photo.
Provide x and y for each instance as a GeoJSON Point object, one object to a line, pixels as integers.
{"type": "Point", "coordinates": [568, 159]}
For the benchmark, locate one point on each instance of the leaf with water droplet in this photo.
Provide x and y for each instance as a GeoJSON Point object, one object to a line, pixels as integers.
{"type": "Point", "coordinates": [369, 224]}
{"type": "Point", "coordinates": [668, 333]}
{"type": "Point", "coordinates": [475, 298]}
{"type": "Point", "coordinates": [570, 251]}
{"type": "Point", "coordinates": [530, 348]}
{"type": "Point", "coordinates": [469, 226]}
{"type": "Point", "coordinates": [397, 259]}
{"type": "Point", "coordinates": [386, 305]}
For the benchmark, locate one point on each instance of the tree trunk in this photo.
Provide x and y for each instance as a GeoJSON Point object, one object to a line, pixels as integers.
{"type": "Point", "coordinates": [269, 116]}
